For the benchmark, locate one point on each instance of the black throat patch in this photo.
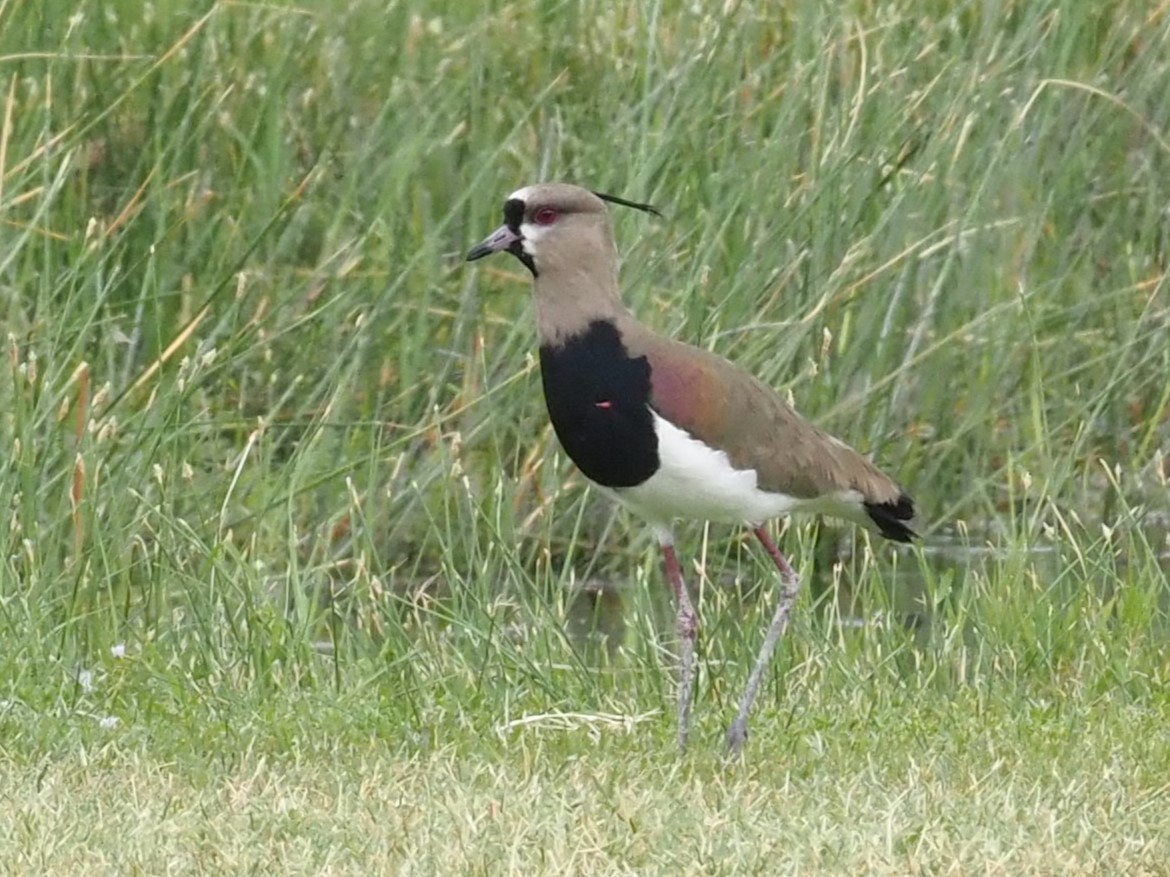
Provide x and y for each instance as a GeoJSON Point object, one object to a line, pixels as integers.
{"type": "Point", "coordinates": [598, 399]}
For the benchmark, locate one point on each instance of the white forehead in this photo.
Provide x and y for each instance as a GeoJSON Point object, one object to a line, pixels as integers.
{"type": "Point", "coordinates": [522, 194]}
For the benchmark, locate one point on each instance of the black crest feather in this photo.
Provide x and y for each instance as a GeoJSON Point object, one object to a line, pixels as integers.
{"type": "Point", "coordinates": [614, 199]}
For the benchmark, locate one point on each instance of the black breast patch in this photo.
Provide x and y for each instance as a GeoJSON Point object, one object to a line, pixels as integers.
{"type": "Point", "coordinates": [598, 399]}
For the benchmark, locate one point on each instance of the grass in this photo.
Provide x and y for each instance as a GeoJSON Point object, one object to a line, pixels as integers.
{"type": "Point", "coordinates": [294, 578]}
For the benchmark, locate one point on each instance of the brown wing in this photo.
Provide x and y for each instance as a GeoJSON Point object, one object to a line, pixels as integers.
{"type": "Point", "coordinates": [728, 408]}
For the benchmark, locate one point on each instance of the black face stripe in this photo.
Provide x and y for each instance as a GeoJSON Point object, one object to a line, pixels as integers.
{"type": "Point", "coordinates": [514, 214]}
{"type": "Point", "coordinates": [517, 250]}
{"type": "Point", "coordinates": [513, 217]}
{"type": "Point", "coordinates": [598, 399]}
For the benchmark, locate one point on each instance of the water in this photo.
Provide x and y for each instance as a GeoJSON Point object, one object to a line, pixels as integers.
{"type": "Point", "coordinates": [912, 593]}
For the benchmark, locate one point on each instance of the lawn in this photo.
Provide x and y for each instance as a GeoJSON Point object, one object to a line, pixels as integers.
{"type": "Point", "coordinates": [295, 579]}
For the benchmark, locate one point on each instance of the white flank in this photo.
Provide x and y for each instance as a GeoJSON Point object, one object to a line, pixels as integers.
{"type": "Point", "coordinates": [698, 482]}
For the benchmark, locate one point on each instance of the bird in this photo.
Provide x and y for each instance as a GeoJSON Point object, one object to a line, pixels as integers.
{"type": "Point", "coordinates": [671, 431]}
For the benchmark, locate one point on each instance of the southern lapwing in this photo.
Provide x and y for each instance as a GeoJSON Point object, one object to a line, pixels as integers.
{"type": "Point", "coordinates": [669, 430]}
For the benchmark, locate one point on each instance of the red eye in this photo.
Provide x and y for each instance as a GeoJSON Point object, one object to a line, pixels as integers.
{"type": "Point", "coordinates": [544, 216]}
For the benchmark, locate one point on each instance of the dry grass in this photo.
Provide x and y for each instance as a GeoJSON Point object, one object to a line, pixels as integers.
{"type": "Point", "coordinates": [525, 810]}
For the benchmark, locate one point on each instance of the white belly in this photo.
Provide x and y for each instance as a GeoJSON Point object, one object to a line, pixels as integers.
{"type": "Point", "coordinates": [698, 482]}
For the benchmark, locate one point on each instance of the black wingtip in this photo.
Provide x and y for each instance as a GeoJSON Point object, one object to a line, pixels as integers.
{"type": "Point", "coordinates": [614, 199]}
{"type": "Point", "coordinates": [891, 518]}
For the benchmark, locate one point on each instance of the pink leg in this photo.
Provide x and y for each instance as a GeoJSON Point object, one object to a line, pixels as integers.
{"type": "Point", "coordinates": [687, 626]}
{"type": "Point", "coordinates": [789, 589]}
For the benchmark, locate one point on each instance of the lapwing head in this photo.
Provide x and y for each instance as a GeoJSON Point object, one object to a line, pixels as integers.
{"type": "Point", "coordinates": [553, 225]}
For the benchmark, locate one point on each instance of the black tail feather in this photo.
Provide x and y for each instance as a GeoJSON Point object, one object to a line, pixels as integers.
{"type": "Point", "coordinates": [891, 518]}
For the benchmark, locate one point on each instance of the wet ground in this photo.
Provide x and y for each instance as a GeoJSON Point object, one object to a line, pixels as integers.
{"type": "Point", "coordinates": [912, 593]}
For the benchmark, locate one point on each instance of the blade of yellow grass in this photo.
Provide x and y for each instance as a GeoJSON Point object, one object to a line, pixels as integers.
{"type": "Point", "coordinates": [126, 211]}
{"type": "Point", "coordinates": [178, 341]}
{"type": "Point", "coordinates": [6, 130]}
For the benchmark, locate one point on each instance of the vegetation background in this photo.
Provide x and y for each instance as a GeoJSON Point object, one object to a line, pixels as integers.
{"type": "Point", "coordinates": [294, 579]}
